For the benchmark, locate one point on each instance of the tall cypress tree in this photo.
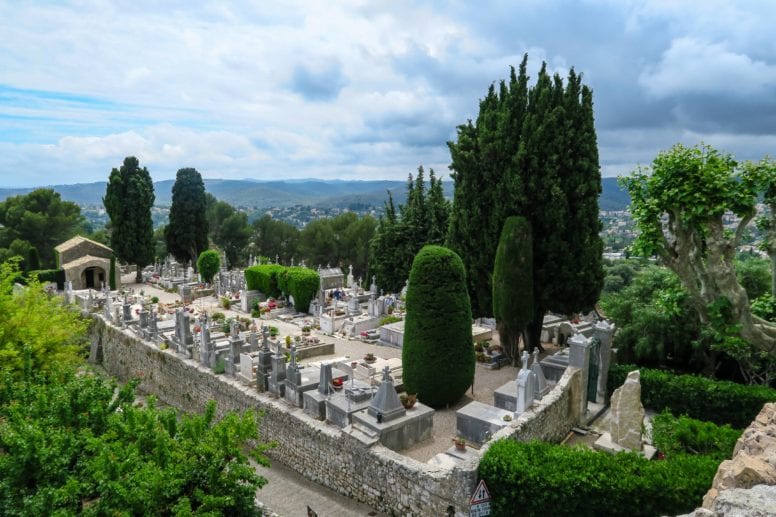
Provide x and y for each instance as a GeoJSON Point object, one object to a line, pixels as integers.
{"type": "Point", "coordinates": [513, 283]}
{"type": "Point", "coordinates": [186, 233]}
{"type": "Point", "coordinates": [128, 199]}
{"type": "Point", "coordinates": [398, 237]}
{"type": "Point", "coordinates": [486, 186]}
{"type": "Point", "coordinates": [531, 153]}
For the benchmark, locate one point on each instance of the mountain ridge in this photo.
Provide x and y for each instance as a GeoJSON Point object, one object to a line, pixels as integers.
{"type": "Point", "coordinates": [283, 193]}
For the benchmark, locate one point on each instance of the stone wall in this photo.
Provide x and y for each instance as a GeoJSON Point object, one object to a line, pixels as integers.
{"type": "Point", "coordinates": [322, 453]}
{"type": "Point", "coordinates": [745, 484]}
{"type": "Point", "coordinates": [551, 418]}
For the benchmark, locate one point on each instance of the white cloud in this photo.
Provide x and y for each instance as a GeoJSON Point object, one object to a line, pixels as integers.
{"type": "Point", "coordinates": [694, 66]}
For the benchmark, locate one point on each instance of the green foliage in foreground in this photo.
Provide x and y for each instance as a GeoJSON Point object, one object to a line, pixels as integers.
{"type": "Point", "coordinates": [67, 445]}
{"type": "Point", "coordinates": [685, 435]}
{"type": "Point", "coordinates": [721, 402]}
{"type": "Point", "coordinates": [54, 334]}
{"type": "Point", "coordinates": [542, 479]}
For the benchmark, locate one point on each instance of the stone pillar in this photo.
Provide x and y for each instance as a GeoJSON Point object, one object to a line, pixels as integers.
{"type": "Point", "coordinates": [235, 348]}
{"type": "Point", "coordinates": [604, 331]}
{"type": "Point", "coordinates": [206, 356]}
{"type": "Point", "coordinates": [579, 357]}
{"type": "Point", "coordinates": [540, 384]}
{"type": "Point", "coordinates": [526, 382]}
{"type": "Point", "coordinates": [127, 310]}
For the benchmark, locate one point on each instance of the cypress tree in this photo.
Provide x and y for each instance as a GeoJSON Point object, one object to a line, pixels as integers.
{"type": "Point", "coordinates": [513, 283]}
{"type": "Point", "coordinates": [531, 153]}
{"type": "Point", "coordinates": [128, 200]}
{"type": "Point", "coordinates": [186, 233]}
{"type": "Point", "coordinates": [486, 185]}
{"type": "Point", "coordinates": [437, 354]}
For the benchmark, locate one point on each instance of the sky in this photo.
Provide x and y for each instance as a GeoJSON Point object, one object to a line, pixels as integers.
{"type": "Point", "coordinates": [362, 89]}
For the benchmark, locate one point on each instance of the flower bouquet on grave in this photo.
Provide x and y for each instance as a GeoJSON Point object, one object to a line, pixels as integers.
{"type": "Point", "coordinates": [370, 358]}
{"type": "Point", "coordinates": [408, 400]}
{"type": "Point", "coordinates": [460, 443]}
{"type": "Point", "coordinates": [337, 384]}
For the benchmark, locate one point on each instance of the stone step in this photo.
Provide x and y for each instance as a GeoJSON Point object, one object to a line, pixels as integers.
{"type": "Point", "coordinates": [362, 434]}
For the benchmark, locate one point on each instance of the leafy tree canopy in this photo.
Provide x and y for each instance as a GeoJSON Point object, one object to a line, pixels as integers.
{"type": "Point", "coordinates": [679, 205]}
{"type": "Point", "coordinates": [29, 317]}
{"type": "Point", "coordinates": [39, 220]}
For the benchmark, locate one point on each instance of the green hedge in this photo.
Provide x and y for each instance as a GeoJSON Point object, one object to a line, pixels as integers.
{"type": "Point", "coordinates": [542, 479]}
{"type": "Point", "coordinates": [438, 356]}
{"type": "Point", "coordinates": [684, 435]}
{"type": "Point", "coordinates": [721, 402]}
{"type": "Point", "coordinates": [302, 284]}
{"type": "Point", "coordinates": [273, 280]}
{"type": "Point", "coordinates": [264, 278]}
{"type": "Point", "coordinates": [49, 275]}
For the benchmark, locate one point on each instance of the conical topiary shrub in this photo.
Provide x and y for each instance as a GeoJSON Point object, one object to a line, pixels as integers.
{"type": "Point", "coordinates": [438, 355]}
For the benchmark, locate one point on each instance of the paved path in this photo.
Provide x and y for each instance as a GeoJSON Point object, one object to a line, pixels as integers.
{"type": "Point", "coordinates": [289, 494]}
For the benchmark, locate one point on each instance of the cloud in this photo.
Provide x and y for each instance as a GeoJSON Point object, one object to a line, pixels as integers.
{"type": "Point", "coordinates": [692, 66]}
{"type": "Point", "coordinates": [360, 90]}
{"type": "Point", "coordinates": [319, 81]}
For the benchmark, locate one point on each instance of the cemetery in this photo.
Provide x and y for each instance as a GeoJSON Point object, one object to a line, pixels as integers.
{"type": "Point", "coordinates": [336, 405]}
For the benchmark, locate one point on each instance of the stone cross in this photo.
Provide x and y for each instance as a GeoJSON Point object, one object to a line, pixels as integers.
{"type": "Point", "coordinates": [293, 357]}
{"type": "Point", "coordinates": [265, 338]}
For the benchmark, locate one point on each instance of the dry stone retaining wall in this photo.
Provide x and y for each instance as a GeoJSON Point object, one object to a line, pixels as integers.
{"type": "Point", "coordinates": [373, 475]}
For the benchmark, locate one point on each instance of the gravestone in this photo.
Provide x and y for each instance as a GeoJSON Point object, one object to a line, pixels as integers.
{"type": "Point", "coordinates": [265, 361]}
{"type": "Point", "coordinates": [387, 421]}
{"type": "Point", "coordinates": [626, 413]}
{"type": "Point", "coordinates": [206, 356]}
{"type": "Point", "coordinates": [604, 331]}
{"type": "Point", "coordinates": [314, 402]}
{"type": "Point", "coordinates": [526, 380]}
{"type": "Point", "coordinates": [153, 329]}
{"type": "Point", "coordinates": [235, 348]}
{"type": "Point", "coordinates": [127, 310]}
{"type": "Point", "coordinates": [579, 357]}
{"type": "Point", "coordinates": [541, 388]}
{"type": "Point", "coordinates": [385, 405]}
{"type": "Point", "coordinates": [276, 383]}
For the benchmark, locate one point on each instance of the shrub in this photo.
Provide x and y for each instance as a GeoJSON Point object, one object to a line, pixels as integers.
{"type": "Point", "coordinates": [721, 402]}
{"type": "Point", "coordinates": [264, 278]}
{"type": "Point", "coordinates": [208, 264]}
{"type": "Point", "coordinates": [437, 356]}
{"type": "Point", "coordinates": [226, 303]}
{"type": "Point", "coordinates": [219, 367]}
{"type": "Point", "coordinates": [217, 316]}
{"type": "Point", "coordinates": [389, 319]}
{"type": "Point", "coordinates": [685, 435]}
{"type": "Point", "coordinates": [49, 275]}
{"type": "Point", "coordinates": [543, 479]}
{"type": "Point", "coordinates": [301, 283]}
{"type": "Point", "coordinates": [154, 299]}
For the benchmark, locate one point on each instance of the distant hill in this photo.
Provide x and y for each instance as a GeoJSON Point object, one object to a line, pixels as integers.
{"type": "Point", "coordinates": [319, 193]}
{"type": "Point", "coordinates": [612, 196]}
